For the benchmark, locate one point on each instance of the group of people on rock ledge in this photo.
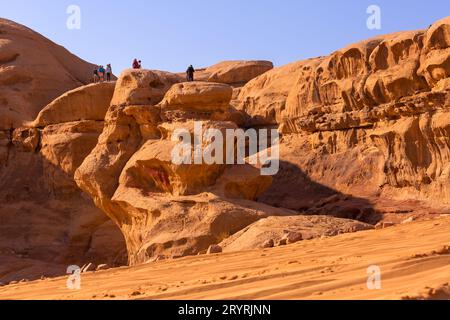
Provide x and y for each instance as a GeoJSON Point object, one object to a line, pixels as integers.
{"type": "Point", "coordinates": [101, 74]}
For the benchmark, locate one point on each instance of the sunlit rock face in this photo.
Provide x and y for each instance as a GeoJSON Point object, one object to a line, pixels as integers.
{"type": "Point", "coordinates": [369, 120]}
{"type": "Point", "coordinates": [87, 171]}
{"type": "Point", "coordinates": [163, 208]}
{"type": "Point", "coordinates": [33, 72]}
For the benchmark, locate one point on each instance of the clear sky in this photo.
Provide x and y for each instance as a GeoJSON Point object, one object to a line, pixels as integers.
{"type": "Point", "coordinates": [171, 34]}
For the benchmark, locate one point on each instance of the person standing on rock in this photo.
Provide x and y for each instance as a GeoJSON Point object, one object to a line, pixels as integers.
{"type": "Point", "coordinates": [96, 74]}
{"type": "Point", "coordinates": [101, 73]}
{"type": "Point", "coordinates": [137, 64]}
{"type": "Point", "coordinates": [108, 72]}
{"type": "Point", "coordinates": [190, 73]}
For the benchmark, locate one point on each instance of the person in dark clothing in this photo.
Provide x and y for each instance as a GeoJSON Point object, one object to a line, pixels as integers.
{"type": "Point", "coordinates": [190, 73]}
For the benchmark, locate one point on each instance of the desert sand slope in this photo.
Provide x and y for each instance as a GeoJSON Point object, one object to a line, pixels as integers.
{"type": "Point", "coordinates": [414, 260]}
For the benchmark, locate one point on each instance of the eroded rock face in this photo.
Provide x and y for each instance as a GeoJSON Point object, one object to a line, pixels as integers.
{"type": "Point", "coordinates": [365, 137]}
{"type": "Point", "coordinates": [33, 72]}
{"type": "Point", "coordinates": [362, 128]}
{"type": "Point", "coordinates": [264, 98]}
{"type": "Point", "coordinates": [47, 223]}
{"type": "Point", "coordinates": [352, 80]}
{"type": "Point", "coordinates": [369, 120]}
{"type": "Point", "coordinates": [164, 209]}
{"type": "Point", "coordinates": [435, 57]}
{"type": "Point", "coordinates": [66, 145]}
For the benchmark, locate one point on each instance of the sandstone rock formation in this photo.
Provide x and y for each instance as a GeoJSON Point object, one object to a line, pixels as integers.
{"type": "Point", "coordinates": [275, 229]}
{"type": "Point", "coordinates": [198, 96]}
{"type": "Point", "coordinates": [365, 136]}
{"type": "Point", "coordinates": [46, 224]}
{"type": "Point", "coordinates": [165, 209]}
{"type": "Point", "coordinates": [264, 97]}
{"type": "Point", "coordinates": [365, 124]}
{"type": "Point", "coordinates": [143, 87]}
{"type": "Point", "coordinates": [33, 71]}
{"type": "Point", "coordinates": [236, 73]}
{"type": "Point", "coordinates": [89, 102]}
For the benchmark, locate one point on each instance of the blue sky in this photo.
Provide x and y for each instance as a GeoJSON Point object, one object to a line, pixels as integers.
{"type": "Point", "coordinates": [171, 34]}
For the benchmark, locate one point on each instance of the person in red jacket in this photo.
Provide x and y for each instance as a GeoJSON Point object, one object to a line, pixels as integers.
{"type": "Point", "coordinates": [137, 64]}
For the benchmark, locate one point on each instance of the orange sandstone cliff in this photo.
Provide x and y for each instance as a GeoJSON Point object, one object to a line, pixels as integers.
{"type": "Point", "coordinates": [365, 144]}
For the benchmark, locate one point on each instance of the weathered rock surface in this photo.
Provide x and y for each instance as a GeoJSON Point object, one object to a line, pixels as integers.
{"type": "Point", "coordinates": [365, 137]}
{"type": "Point", "coordinates": [198, 96]}
{"type": "Point", "coordinates": [143, 87]}
{"type": "Point", "coordinates": [332, 111]}
{"type": "Point", "coordinates": [33, 72]}
{"type": "Point", "coordinates": [234, 73]}
{"type": "Point", "coordinates": [264, 98]}
{"type": "Point", "coordinates": [237, 72]}
{"type": "Point", "coordinates": [89, 102]}
{"type": "Point", "coordinates": [201, 101]}
{"type": "Point", "coordinates": [368, 121]}
{"type": "Point", "coordinates": [434, 60]}
{"type": "Point", "coordinates": [46, 223]}
{"type": "Point", "coordinates": [165, 209]}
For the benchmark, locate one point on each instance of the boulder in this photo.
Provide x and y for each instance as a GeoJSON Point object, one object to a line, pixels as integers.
{"type": "Point", "coordinates": [293, 237]}
{"type": "Point", "coordinates": [198, 96]}
{"type": "Point", "coordinates": [99, 173]}
{"type": "Point", "coordinates": [268, 244]}
{"type": "Point", "coordinates": [237, 72]}
{"type": "Point", "coordinates": [89, 102]}
{"type": "Point", "coordinates": [281, 231]}
{"type": "Point", "coordinates": [142, 87]}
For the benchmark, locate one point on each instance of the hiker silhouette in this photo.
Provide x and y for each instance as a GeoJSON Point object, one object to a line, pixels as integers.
{"type": "Point", "coordinates": [190, 73]}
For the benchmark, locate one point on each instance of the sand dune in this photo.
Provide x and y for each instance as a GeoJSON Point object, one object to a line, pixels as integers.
{"type": "Point", "coordinates": [414, 259]}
